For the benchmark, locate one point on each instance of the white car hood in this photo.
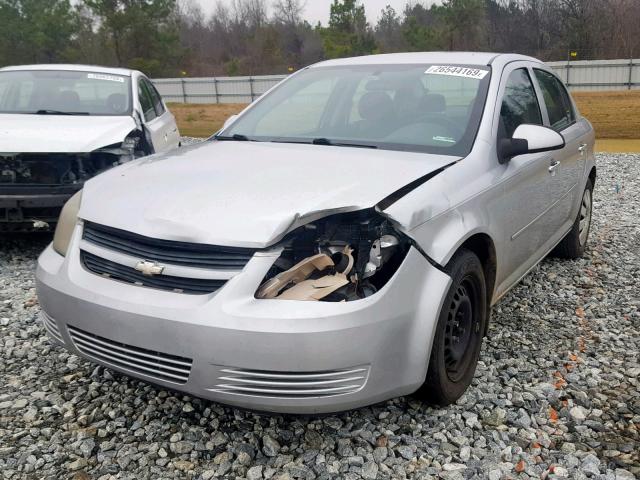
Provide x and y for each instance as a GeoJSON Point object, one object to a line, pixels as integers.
{"type": "Point", "coordinates": [245, 193]}
{"type": "Point", "coordinates": [23, 133]}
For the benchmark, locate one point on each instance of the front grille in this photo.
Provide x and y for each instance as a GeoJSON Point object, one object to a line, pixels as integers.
{"type": "Point", "coordinates": [107, 268]}
{"type": "Point", "coordinates": [52, 169]}
{"type": "Point", "coordinates": [158, 365]}
{"type": "Point", "coordinates": [274, 384]}
{"type": "Point", "coordinates": [51, 326]}
{"type": "Point", "coordinates": [167, 251]}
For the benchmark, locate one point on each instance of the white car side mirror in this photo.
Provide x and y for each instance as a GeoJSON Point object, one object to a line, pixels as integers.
{"type": "Point", "coordinates": [529, 138]}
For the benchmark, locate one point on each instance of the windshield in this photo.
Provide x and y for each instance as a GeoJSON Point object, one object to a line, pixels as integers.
{"type": "Point", "coordinates": [59, 92]}
{"type": "Point", "coordinates": [423, 108]}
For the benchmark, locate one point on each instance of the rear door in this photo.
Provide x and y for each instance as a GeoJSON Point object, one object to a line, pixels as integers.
{"type": "Point", "coordinates": [560, 115]}
{"type": "Point", "coordinates": [159, 122]}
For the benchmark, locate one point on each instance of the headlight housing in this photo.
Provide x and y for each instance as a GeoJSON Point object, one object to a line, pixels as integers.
{"type": "Point", "coordinates": [341, 257]}
{"type": "Point", "coordinates": [66, 224]}
{"type": "Point", "coordinates": [129, 149]}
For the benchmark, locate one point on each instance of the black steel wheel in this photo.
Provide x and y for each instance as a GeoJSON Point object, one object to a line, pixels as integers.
{"type": "Point", "coordinates": [459, 332]}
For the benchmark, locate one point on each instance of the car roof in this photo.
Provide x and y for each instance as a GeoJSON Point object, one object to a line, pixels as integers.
{"type": "Point", "coordinates": [464, 58]}
{"type": "Point", "coordinates": [72, 68]}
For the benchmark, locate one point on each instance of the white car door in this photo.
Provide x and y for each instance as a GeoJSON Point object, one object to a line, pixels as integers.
{"type": "Point", "coordinates": [158, 120]}
{"type": "Point", "coordinates": [561, 117]}
{"type": "Point", "coordinates": [530, 188]}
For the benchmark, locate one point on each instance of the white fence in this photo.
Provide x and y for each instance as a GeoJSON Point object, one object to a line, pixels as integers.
{"type": "Point", "coordinates": [578, 75]}
{"type": "Point", "coordinates": [215, 89]}
{"type": "Point", "coordinates": [592, 75]}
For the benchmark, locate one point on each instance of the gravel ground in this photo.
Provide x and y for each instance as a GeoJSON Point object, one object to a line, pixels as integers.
{"type": "Point", "coordinates": [556, 394]}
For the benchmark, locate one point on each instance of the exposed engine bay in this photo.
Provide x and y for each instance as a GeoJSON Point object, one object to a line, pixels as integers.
{"type": "Point", "coordinates": [53, 168]}
{"type": "Point", "coordinates": [342, 257]}
{"type": "Point", "coordinates": [35, 186]}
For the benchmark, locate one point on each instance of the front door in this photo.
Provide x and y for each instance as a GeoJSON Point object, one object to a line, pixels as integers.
{"type": "Point", "coordinates": [530, 188]}
{"type": "Point", "coordinates": [158, 121]}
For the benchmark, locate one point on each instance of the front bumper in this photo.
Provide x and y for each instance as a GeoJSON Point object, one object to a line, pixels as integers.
{"type": "Point", "coordinates": [31, 211]}
{"type": "Point", "coordinates": [273, 355]}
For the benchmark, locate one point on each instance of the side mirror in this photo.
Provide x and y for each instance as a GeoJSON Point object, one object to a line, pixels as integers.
{"type": "Point", "coordinates": [229, 121]}
{"type": "Point", "coordinates": [529, 139]}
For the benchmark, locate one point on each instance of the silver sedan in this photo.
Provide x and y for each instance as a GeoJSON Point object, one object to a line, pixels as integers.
{"type": "Point", "coordinates": [339, 243]}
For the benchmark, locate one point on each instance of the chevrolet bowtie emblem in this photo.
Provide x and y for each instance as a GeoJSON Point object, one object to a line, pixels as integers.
{"type": "Point", "coordinates": [149, 268]}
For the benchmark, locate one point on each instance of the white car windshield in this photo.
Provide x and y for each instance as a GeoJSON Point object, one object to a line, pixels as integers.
{"type": "Point", "coordinates": [424, 108]}
{"type": "Point", "coordinates": [62, 92]}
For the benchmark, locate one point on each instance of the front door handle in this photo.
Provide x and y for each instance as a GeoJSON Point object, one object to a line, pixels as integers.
{"type": "Point", "coordinates": [552, 167]}
{"type": "Point", "coordinates": [582, 148]}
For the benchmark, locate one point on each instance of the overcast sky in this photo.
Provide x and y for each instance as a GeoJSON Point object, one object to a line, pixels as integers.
{"type": "Point", "coordinates": [318, 10]}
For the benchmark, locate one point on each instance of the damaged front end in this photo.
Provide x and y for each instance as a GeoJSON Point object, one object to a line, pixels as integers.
{"type": "Point", "coordinates": [338, 258]}
{"type": "Point", "coordinates": [35, 186]}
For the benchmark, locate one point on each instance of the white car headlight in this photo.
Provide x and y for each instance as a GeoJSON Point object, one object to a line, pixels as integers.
{"type": "Point", "coordinates": [66, 224]}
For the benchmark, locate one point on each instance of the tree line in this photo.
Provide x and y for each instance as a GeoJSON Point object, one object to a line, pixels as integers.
{"type": "Point", "coordinates": [251, 37]}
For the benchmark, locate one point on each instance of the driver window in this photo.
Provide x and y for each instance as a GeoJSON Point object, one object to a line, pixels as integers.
{"type": "Point", "coordinates": [155, 97]}
{"type": "Point", "coordinates": [519, 104]}
{"type": "Point", "coordinates": [145, 102]}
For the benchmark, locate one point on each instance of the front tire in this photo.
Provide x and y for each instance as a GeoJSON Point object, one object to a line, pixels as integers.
{"type": "Point", "coordinates": [573, 245]}
{"type": "Point", "coordinates": [459, 332]}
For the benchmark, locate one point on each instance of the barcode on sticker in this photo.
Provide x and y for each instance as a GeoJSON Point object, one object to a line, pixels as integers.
{"type": "Point", "coordinates": [102, 76]}
{"type": "Point", "coordinates": [465, 72]}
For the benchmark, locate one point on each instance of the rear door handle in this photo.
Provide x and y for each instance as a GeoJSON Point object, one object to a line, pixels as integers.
{"type": "Point", "coordinates": [552, 167]}
{"type": "Point", "coordinates": [582, 148]}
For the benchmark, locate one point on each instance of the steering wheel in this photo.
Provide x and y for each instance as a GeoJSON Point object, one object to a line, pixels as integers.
{"type": "Point", "coordinates": [117, 103]}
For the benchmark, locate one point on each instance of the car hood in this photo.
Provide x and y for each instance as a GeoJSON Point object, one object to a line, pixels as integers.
{"type": "Point", "coordinates": [246, 193]}
{"type": "Point", "coordinates": [23, 133]}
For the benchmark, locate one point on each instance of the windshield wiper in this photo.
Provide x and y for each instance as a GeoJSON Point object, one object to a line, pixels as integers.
{"type": "Point", "coordinates": [238, 137]}
{"type": "Point", "coordinates": [58, 112]}
{"type": "Point", "coordinates": [326, 141]}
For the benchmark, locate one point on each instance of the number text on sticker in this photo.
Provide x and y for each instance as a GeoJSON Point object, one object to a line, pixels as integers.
{"type": "Point", "coordinates": [465, 72]}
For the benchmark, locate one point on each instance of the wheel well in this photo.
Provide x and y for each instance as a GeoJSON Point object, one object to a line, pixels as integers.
{"type": "Point", "coordinates": [592, 176]}
{"type": "Point", "coordinates": [482, 245]}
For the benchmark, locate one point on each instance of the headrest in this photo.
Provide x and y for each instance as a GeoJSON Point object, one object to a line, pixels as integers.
{"type": "Point", "coordinates": [375, 104]}
{"type": "Point", "coordinates": [68, 97]}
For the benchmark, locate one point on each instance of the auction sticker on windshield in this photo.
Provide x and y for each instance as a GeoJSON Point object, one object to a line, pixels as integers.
{"type": "Point", "coordinates": [465, 72]}
{"type": "Point", "coordinates": [100, 76]}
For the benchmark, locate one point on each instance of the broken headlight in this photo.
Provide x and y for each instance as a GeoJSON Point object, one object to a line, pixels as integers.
{"type": "Point", "coordinates": [66, 224]}
{"type": "Point", "coordinates": [338, 258]}
{"type": "Point", "coordinates": [129, 149]}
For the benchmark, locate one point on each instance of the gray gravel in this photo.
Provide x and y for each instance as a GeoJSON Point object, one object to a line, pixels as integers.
{"type": "Point", "coordinates": [556, 394]}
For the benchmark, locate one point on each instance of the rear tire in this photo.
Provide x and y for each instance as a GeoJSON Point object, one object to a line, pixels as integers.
{"type": "Point", "coordinates": [459, 332]}
{"type": "Point", "coordinates": [573, 245]}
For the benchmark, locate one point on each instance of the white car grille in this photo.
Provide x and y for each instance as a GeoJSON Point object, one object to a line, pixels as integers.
{"type": "Point", "coordinates": [261, 383]}
{"type": "Point", "coordinates": [51, 327]}
{"type": "Point", "coordinates": [158, 365]}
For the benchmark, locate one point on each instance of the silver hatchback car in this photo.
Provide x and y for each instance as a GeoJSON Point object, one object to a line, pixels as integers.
{"type": "Point", "coordinates": [339, 243]}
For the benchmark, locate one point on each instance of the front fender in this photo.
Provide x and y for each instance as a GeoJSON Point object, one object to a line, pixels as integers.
{"type": "Point", "coordinates": [443, 235]}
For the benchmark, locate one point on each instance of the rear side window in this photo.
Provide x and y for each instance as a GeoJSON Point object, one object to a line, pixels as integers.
{"type": "Point", "coordinates": [519, 104]}
{"type": "Point", "coordinates": [145, 101]}
{"type": "Point", "coordinates": [556, 99]}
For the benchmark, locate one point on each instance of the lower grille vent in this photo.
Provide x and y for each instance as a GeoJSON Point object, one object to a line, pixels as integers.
{"type": "Point", "coordinates": [261, 383]}
{"type": "Point", "coordinates": [162, 366]}
{"type": "Point", "coordinates": [51, 327]}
